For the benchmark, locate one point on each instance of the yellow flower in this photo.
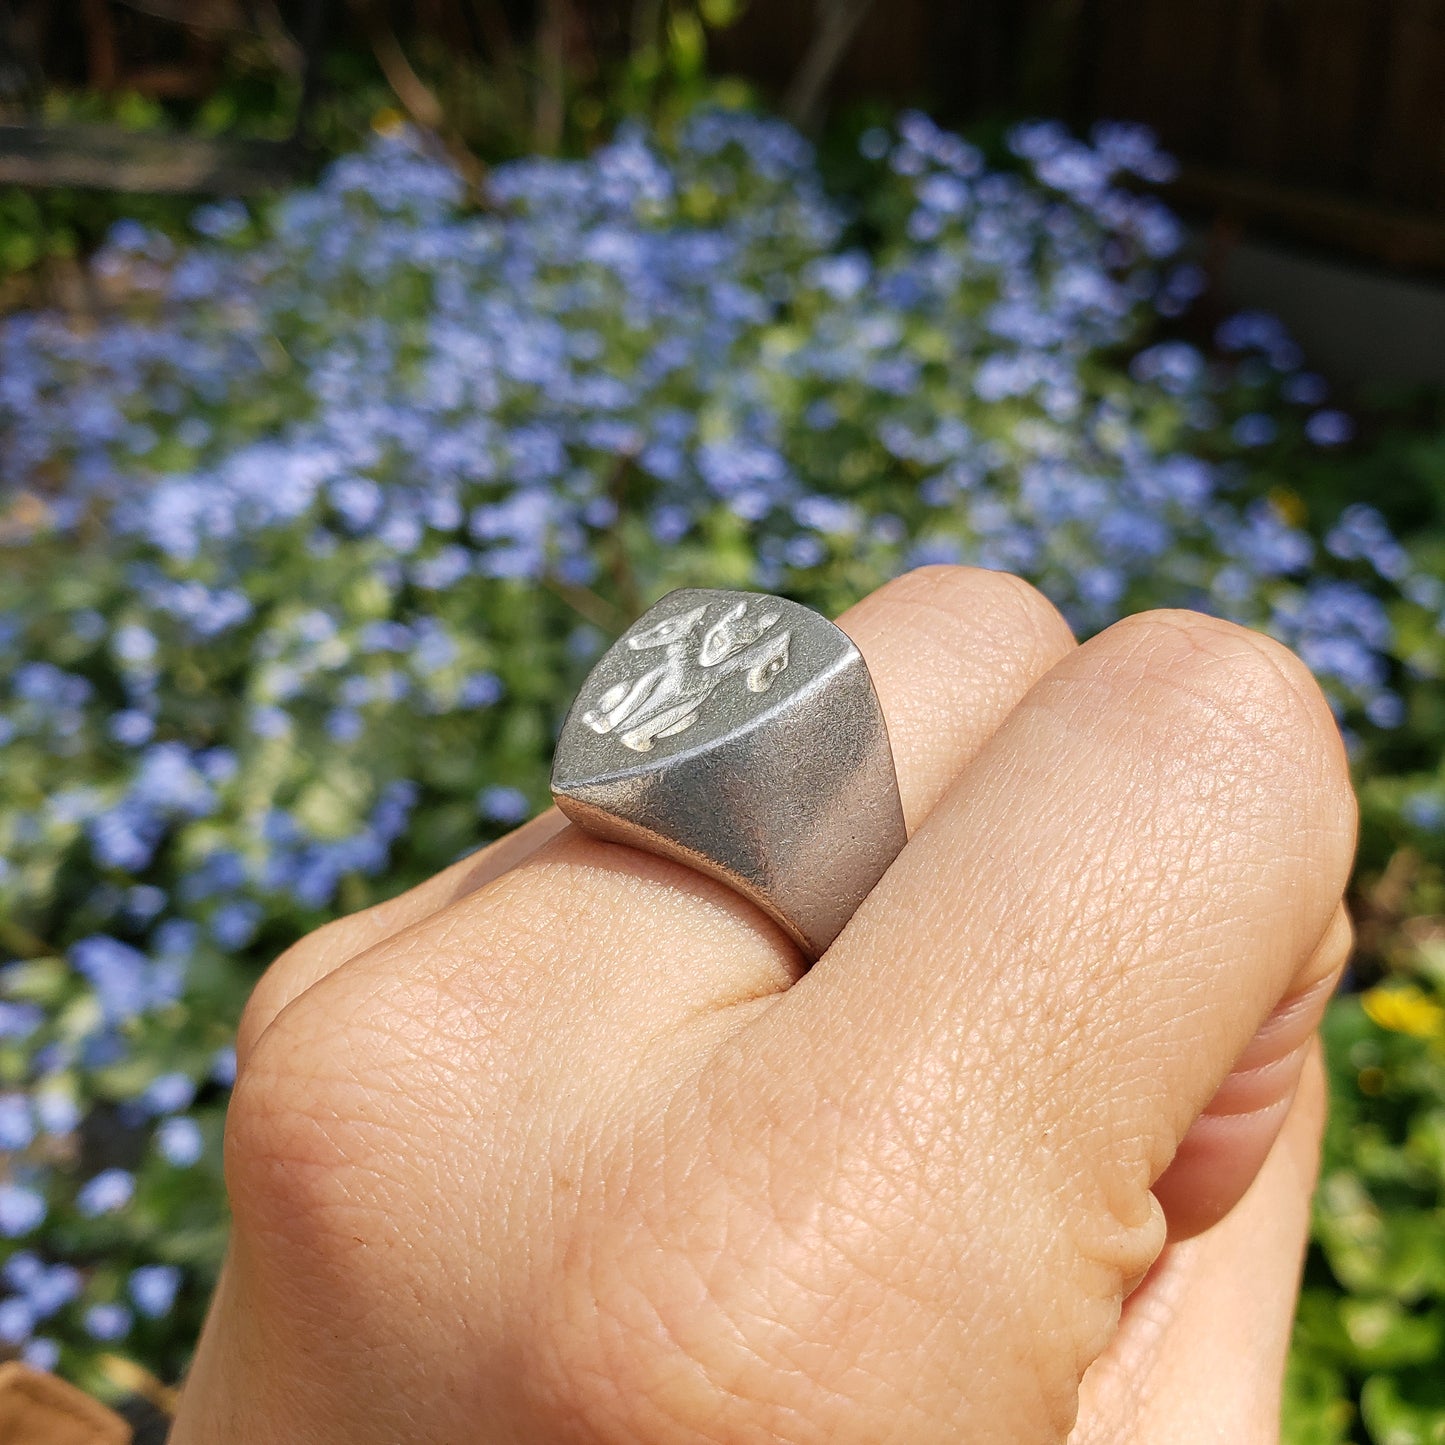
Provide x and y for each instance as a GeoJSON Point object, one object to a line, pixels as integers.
{"type": "Point", "coordinates": [1405, 1009]}
{"type": "Point", "coordinates": [1289, 506]}
{"type": "Point", "coordinates": [387, 121]}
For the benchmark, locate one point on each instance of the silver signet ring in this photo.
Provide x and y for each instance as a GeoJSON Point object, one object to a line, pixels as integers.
{"type": "Point", "coordinates": [739, 734]}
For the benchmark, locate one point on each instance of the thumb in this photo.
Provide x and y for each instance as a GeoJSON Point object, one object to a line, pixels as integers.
{"type": "Point", "coordinates": [1200, 1352]}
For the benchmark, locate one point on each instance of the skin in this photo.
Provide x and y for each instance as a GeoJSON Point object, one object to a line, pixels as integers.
{"type": "Point", "coordinates": [565, 1145]}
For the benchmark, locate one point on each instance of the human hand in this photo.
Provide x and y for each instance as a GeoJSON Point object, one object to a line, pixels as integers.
{"type": "Point", "coordinates": [564, 1145]}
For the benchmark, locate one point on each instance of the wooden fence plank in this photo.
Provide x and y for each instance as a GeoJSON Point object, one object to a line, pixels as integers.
{"type": "Point", "coordinates": [107, 159]}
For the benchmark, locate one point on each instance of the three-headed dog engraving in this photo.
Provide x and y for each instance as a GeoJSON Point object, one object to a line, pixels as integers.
{"type": "Point", "coordinates": [668, 697]}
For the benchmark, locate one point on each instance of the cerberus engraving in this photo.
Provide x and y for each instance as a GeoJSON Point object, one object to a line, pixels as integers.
{"type": "Point", "coordinates": [668, 697]}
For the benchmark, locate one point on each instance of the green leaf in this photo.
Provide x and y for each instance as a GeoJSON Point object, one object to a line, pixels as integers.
{"type": "Point", "coordinates": [1406, 1409]}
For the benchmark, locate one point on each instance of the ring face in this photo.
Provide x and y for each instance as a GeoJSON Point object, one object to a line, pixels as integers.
{"type": "Point", "coordinates": [740, 734]}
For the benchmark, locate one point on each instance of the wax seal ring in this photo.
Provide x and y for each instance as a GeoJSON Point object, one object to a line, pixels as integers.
{"type": "Point", "coordinates": [739, 734]}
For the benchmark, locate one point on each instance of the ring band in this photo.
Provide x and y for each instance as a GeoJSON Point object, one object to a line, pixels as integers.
{"type": "Point", "coordinates": [740, 734]}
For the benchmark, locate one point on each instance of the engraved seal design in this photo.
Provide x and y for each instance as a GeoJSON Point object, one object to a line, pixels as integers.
{"type": "Point", "coordinates": [667, 697]}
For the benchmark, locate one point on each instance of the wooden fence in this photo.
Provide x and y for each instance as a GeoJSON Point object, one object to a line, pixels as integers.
{"type": "Point", "coordinates": [1324, 119]}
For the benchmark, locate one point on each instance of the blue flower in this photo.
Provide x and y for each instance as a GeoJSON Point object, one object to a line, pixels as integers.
{"type": "Point", "coordinates": [23, 1269]}
{"type": "Point", "coordinates": [1329, 428]}
{"type": "Point", "coordinates": [180, 1141]}
{"type": "Point", "coordinates": [221, 220]}
{"type": "Point", "coordinates": [131, 727]}
{"type": "Point", "coordinates": [17, 1320]}
{"type": "Point", "coordinates": [1385, 710]}
{"type": "Point", "coordinates": [123, 978]}
{"type": "Point", "coordinates": [827, 514]}
{"type": "Point", "coordinates": [480, 689]}
{"type": "Point", "coordinates": [344, 725]}
{"type": "Point", "coordinates": [41, 1353]}
{"type": "Point", "coordinates": [1256, 429]}
{"type": "Point", "coordinates": [19, 1020]}
{"type": "Point", "coordinates": [234, 924]}
{"type": "Point", "coordinates": [670, 524]}
{"type": "Point", "coordinates": [503, 804]}
{"type": "Point", "coordinates": [21, 1210]}
{"type": "Point", "coordinates": [874, 143]}
{"type": "Point", "coordinates": [48, 686]}
{"type": "Point", "coordinates": [105, 1193]}
{"type": "Point", "coordinates": [168, 1093]}
{"type": "Point", "coordinates": [269, 721]}
{"type": "Point", "coordinates": [1305, 388]}
{"type": "Point", "coordinates": [108, 1322]}
{"type": "Point", "coordinates": [1251, 331]}
{"type": "Point", "coordinates": [57, 1111]}
{"type": "Point", "coordinates": [803, 551]}
{"type": "Point", "coordinates": [153, 1287]}
{"type": "Point", "coordinates": [135, 644]}
{"type": "Point", "coordinates": [1425, 811]}
{"type": "Point", "coordinates": [144, 902]}
{"type": "Point", "coordinates": [442, 570]}
{"type": "Point", "coordinates": [1174, 365]}
{"type": "Point", "coordinates": [17, 1123]}
{"type": "Point", "coordinates": [50, 1288]}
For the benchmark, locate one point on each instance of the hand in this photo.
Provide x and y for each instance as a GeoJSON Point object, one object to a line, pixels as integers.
{"type": "Point", "coordinates": [564, 1145]}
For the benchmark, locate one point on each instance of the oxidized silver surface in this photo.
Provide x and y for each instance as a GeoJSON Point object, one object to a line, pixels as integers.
{"type": "Point", "coordinates": [739, 734]}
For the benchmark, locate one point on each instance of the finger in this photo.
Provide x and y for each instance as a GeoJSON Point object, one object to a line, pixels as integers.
{"type": "Point", "coordinates": [1022, 1021]}
{"type": "Point", "coordinates": [950, 651]}
{"type": "Point", "coordinates": [335, 943]}
{"type": "Point", "coordinates": [1200, 1353]}
{"type": "Point", "coordinates": [1228, 1143]}
{"type": "Point", "coordinates": [485, 1059]}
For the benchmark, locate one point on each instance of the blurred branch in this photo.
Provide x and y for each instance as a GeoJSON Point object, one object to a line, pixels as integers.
{"type": "Point", "coordinates": [417, 98]}
{"type": "Point", "coordinates": [588, 605]}
{"type": "Point", "coordinates": [1380, 908]}
{"type": "Point", "coordinates": [624, 578]}
{"type": "Point", "coordinates": [838, 23]}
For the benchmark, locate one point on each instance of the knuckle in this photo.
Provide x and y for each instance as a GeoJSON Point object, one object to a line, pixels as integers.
{"type": "Point", "coordinates": [299, 966]}
{"type": "Point", "coordinates": [266, 1001]}
{"type": "Point", "coordinates": [308, 1139]}
{"type": "Point", "coordinates": [260, 1130]}
{"type": "Point", "coordinates": [1256, 693]}
{"type": "Point", "coordinates": [1235, 670]}
{"type": "Point", "coordinates": [323, 1187]}
{"type": "Point", "coordinates": [986, 601]}
{"type": "Point", "coordinates": [273, 1142]}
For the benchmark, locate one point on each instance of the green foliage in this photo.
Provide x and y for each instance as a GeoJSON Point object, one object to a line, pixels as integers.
{"type": "Point", "coordinates": [497, 102]}
{"type": "Point", "coordinates": [1371, 1325]}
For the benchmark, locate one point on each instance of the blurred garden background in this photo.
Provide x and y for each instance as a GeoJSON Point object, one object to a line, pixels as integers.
{"type": "Point", "coordinates": [366, 367]}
